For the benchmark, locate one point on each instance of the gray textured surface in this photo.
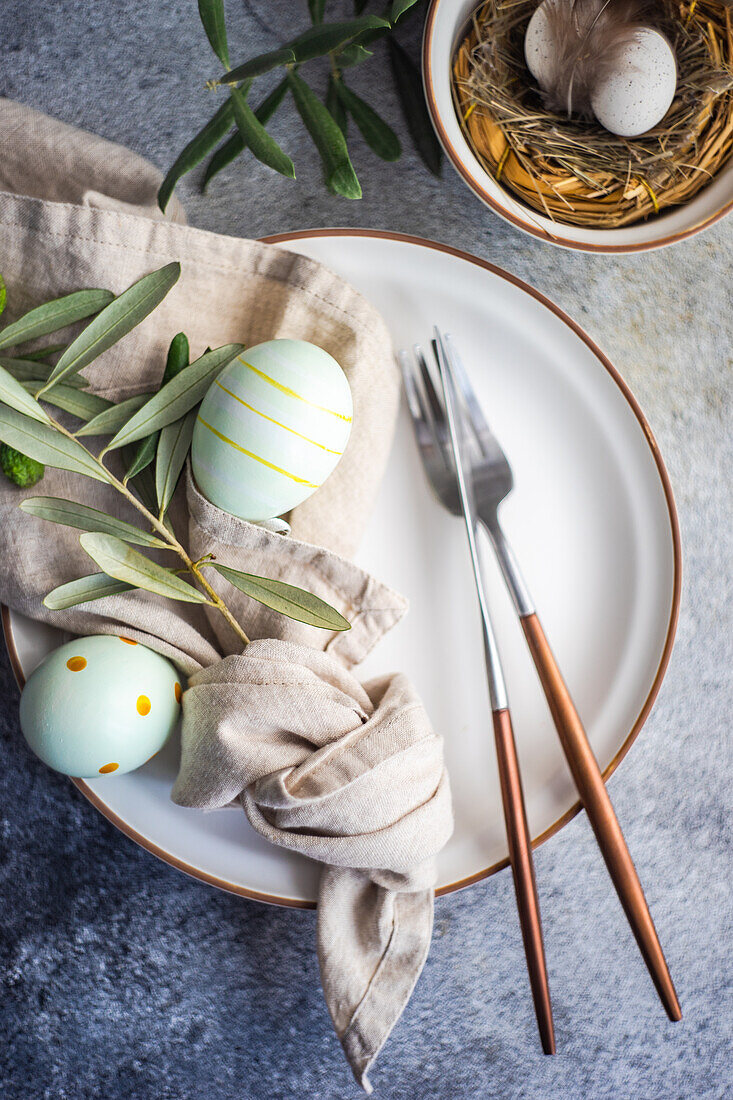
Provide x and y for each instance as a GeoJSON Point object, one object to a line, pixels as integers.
{"type": "Point", "coordinates": [122, 978]}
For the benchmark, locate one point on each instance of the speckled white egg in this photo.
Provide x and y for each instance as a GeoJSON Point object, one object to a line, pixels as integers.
{"type": "Point", "coordinates": [271, 429]}
{"type": "Point", "coordinates": [100, 705]}
{"type": "Point", "coordinates": [639, 93]}
{"type": "Point", "coordinates": [539, 49]}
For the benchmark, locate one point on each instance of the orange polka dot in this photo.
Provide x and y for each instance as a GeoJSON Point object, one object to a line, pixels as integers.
{"type": "Point", "coordinates": [106, 768]}
{"type": "Point", "coordinates": [127, 641]}
{"type": "Point", "coordinates": [179, 693]}
{"type": "Point", "coordinates": [76, 664]}
{"type": "Point", "coordinates": [143, 705]}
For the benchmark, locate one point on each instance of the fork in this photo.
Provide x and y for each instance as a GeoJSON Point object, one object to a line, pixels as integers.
{"type": "Point", "coordinates": [442, 445]}
{"type": "Point", "coordinates": [493, 482]}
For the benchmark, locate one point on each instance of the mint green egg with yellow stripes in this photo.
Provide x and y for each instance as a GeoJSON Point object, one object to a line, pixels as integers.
{"type": "Point", "coordinates": [271, 429]}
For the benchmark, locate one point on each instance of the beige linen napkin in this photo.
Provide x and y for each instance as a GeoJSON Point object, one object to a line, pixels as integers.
{"type": "Point", "coordinates": [347, 774]}
{"type": "Point", "coordinates": [350, 775]}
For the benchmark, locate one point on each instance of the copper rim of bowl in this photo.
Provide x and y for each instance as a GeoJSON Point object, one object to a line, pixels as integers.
{"type": "Point", "coordinates": [533, 228]}
{"type": "Point", "coordinates": [486, 872]}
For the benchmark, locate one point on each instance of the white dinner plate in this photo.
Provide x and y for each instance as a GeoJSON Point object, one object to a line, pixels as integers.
{"type": "Point", "coordinates": [592, 520]}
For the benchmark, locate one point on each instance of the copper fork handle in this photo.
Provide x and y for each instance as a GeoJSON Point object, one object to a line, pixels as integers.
{"type": "Point", "coordinates": [601, 814]}
{"type": "Point", "coordinates": [525, 885]}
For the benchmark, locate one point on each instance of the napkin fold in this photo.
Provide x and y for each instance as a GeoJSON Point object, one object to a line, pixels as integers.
{"type": "Point", "coordinates": [349, 775]}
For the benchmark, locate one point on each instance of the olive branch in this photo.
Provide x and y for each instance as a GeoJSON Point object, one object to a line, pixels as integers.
{"type": "Point", "coordinates": [152, 431]}
{"type": "Point", "coordinates": [237, 127]}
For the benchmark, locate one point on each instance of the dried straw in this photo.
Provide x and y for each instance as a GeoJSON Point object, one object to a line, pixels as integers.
{"type": "Point", "coordinates": [574, 171]}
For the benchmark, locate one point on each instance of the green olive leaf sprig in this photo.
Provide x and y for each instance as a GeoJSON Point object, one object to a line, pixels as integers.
{"type": "Point", "coordinates": [152, 430]}
{"type": "Point", "coordinates": [408, 84]}
{"type": "Point", "coordinates": [52, 316]}
{"type": "Point", "coordinates": [212, 17]}
{"type": "Point", "coordinates": [94, 587]}
{"type": "Point", "coordinates": [343, 44]}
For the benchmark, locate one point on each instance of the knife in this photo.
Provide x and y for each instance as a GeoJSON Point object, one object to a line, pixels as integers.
{"type": "Point", "coordinates": [515, 816]}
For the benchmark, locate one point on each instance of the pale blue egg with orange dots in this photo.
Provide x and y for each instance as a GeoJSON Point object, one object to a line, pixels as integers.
{"type": "Point", "coordinates": [100, 706]}
{"type": "Point", "coordinates": [271, 428]}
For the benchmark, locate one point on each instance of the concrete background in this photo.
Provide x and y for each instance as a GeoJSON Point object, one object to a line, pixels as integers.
{"type": "Point", "coordinates": [123, 978]}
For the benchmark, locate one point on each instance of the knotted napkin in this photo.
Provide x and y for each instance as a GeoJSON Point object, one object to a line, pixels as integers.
{"type": "Point", "coordinates": [347, 774]}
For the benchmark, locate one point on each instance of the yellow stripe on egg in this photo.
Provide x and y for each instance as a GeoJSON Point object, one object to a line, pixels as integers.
{"type": "Point", "coordinates": [277, 422]}
{"type": "Point", "coordinates": [291, 393]}
{"type": "Point", "coordinates": [257, 458]}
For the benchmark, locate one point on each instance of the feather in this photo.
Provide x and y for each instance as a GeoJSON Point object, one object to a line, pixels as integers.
{"type": "Point", "coordinates": [586, 39]}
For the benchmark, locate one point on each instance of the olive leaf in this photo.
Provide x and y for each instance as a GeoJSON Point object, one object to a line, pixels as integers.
{"type": "Point", "coordinates": [30, 370]}
{"type": "Point", "coordinates": [328, 139]}
{"type": "Point", "coordinates": [23, 370]}
{"type": "Point", "coordinates": [255, 136]}
{"type": "Point", "coordinates": [399, 7]}
{"type": "Point", "coordinates": [315, 42]}
{"type": "Point", "coordinates": [223, 156]}
{"type": "Point", "coordinates": [408, 83]}
{"type": "Point", "coordinates": [380, 137]}
{"type": "Point", "coordinates": [174, 445]}
{"type": "Point", "coordinates": [143, 456]}
{"type": "Point", "coordinates": [316, 9]}
{"type": "Point", "coordinates": [353, 55]}
{"type": "Point", "coordinates": [327, 37]}
{"type": "Point", "coordinates": [178, 357]}
{"type": "Point", "coordinates": [235, 145]}
{"type": "Point", "coordinates": [200, 146]}
{"type": "Point", "coordinates": [111, 418]}
{"type": "Point", "coordinates": [176, 361]}
{"type": "Point", "coordinates": [71, 399]}
{"type": "Point", "coordinates": [54, 315]}
{"type": "Point", "coordinates": [174, 400]}
{"type": "Point", "coordinates": [43, 353]}
{"type": "Point", "coordinates": [212, 17]}
{"type": "Point", "coordinates": [3, 294]}
{"type": "Point", "coordinates": [115, 321]}
{"type": "Point", "coordinates": [271, 102]}
{"type": "Point", "coordinates": [288, 600]}
{"type": "Point", "coordinates": [85, 589]}
{"type": "Point", "coordinates": [46, 445]}
{"type": "Point", "coordinates": [70, 514]}
{"type": "Point", "coordinates": [120, 561]}
{"type": "Point", "coordinates": [335, 106]}
{"type": "Point", "coordinates": [14, 394]}
{"type": "Point", "coordinates": [260, 65]}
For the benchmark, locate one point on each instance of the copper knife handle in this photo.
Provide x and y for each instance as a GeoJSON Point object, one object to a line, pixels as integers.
{"type": "Point", "coordinates": [515, 816]}
{"type": "Point", "coordinates": [600, 811]}
{"type": "Point", "coordinates": [525, 885]}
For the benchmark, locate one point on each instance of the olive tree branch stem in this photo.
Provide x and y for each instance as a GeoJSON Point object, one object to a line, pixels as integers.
{"type": "Point", "coordinates": [157, 524]}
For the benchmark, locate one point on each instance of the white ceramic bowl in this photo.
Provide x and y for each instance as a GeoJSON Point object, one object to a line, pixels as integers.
{"type": "Point", "coordinates": [444, 28]}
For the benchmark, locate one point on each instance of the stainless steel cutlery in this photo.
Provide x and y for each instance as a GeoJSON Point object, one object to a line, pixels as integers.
{"type": "Point", "coordinates": [470, 475]}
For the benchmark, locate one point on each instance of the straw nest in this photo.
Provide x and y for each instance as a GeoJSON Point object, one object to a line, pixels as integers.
{"type": "Point", "coordinates": [574, 171]}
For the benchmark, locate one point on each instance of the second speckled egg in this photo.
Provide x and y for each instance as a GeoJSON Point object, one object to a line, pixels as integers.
{"type": "Point", "coordinates": [636, 96]}
{"type": "Point", "coordinates": [100, 705]}
{"type": "Point", "coordinates": [271, 429]}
